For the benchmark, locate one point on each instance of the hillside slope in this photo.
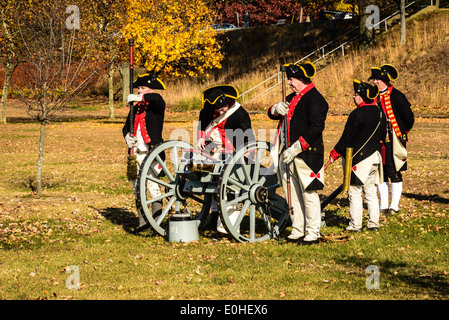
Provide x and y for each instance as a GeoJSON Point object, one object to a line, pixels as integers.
{"type": "Point", "coordinates": [423, 64]}
{"type": "Point", "coordinates": [250, 49]}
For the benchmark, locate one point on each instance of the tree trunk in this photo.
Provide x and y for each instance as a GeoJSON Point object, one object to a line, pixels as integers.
{"type": "Point", "coordinates": [366, 35]}
{"type": "Point", "coordinates": [40, 159]}
{"type": "Point", "coordinates": [111, 91]}
{"type": "Point", "coordinates": [403, 27]}
{"type": "Point", "coordinates": [9, 70]}
{"type": "Point", "coordinates": [124, 72]}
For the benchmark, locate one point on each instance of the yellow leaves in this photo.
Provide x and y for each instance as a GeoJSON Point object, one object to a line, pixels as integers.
{"type": "Point", "coordinates": [173, 37]}
{"type": "Point", "coordinates": [343, 6]}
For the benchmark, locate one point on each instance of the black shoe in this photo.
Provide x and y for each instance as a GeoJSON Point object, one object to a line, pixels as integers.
{"type": "Point", "coordinates": [393, 212]}
{"type": "Point", "coordinates": [385, 211]}
{"type": "Point", "coordinates": [137, 230]}
{"type": "Point", "coordinates": [156, 209]}
{"type": "Point", "coordinates": [297, 240]}
{"type": "Point", "coordinates": [212, 224]}
{"type": "Point", "coordinates": [308, 243]}
{"type": "Point", "coordinates": [351, 229]}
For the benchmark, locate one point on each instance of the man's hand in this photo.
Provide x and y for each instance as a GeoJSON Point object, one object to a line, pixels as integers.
{"type": "Point", "coordinates": [134, 98]}
{"type": "Point", "coordinates": [291, 152]}
{"type": "Point", "coordinates": [280, 108]}
{"type": "Point", "coordinates": [131, 141]}
{"type": "Point", "coordinates": [201, 143]}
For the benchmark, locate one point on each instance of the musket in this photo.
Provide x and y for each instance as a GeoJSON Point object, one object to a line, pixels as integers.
{"type": "Point", "coordinates": [132, 162]}
{"type": "Point", "coordinates": [289, 191]}
{"type": "Point", "coordinates": [131, 78]}
{"type": "Point", "coordinates": [331, 197]}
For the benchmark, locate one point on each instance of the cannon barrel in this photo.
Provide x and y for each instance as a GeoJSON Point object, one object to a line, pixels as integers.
{"type": "Point", "coordinates": [250, 206]}
{"type": "Point", "coordinates": [200, 166]}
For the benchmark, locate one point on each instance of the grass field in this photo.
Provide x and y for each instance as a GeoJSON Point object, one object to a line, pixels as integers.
{"type": "Point", "coordinates": [81, 222]}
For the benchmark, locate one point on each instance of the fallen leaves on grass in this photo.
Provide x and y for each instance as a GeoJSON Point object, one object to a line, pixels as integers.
{"type": "Point", "coordinates": [16, 230]}
{"type": "Point", "coordinates": [336, 238]}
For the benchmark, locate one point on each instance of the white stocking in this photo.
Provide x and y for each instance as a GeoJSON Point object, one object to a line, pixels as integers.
{"type": "Point", "coordinates": [396, 192]}
{"type": "Point", "coordinates": [384, 195]}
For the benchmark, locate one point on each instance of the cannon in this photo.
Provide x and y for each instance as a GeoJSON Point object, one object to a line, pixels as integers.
{"type": "Point", "coordinates": [190, 179]}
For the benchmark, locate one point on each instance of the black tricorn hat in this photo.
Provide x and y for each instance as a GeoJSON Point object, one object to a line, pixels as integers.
{"type": "Point", "coordinates": [366, 90]}
{"type": "Point", "coordinates": [385, 72]}
{"type": "Point", "coordinates": [219, 96]}
{"type": "Point", "coordinates": [149, 80]}
{"type": "Point", "coordinates": [304, 70]}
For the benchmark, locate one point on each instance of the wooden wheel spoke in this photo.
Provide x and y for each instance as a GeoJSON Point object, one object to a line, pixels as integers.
{"type": "Point", "coordinates": [257, 165]}
{"type": "Point", "coordinates": [159, 198]}
{"type": "Point", "coordinates": [237, 183]}
{"type": "Point", "coordinates": [254, 221]}
{"type": "Point", "coordinates": [173, 149]}
{"type": "Point", "coordinates": [158, 181]}
{"type": "Point", "coordinates": [164, 168]}
{"type": "Point", "coordinates": [166, 210]}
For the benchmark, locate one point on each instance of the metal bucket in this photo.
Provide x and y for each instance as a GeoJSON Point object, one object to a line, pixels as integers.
{"type": "Point", "coordinates": [182, 228]}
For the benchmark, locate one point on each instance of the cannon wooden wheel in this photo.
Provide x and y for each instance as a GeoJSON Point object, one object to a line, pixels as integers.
{"type": "Point", "coordinates": [249, 185]}
{"type": "Point", "coordinates": [170, 156]}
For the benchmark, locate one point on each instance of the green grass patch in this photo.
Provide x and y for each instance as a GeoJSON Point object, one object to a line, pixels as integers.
{"type": "Point", "coordinates": [85, 215]}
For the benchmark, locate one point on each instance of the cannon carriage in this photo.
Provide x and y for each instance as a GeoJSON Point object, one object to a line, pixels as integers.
{"type": "Point", "coordinates": [189, 180]}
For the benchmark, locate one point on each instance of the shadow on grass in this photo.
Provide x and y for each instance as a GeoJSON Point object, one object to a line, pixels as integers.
{"type": "Point", "coordinates": [433, 197]}
{"type": "Point", "coordinates": [120, 216]}
{"type": "Point", "coordinates": [397, 273]}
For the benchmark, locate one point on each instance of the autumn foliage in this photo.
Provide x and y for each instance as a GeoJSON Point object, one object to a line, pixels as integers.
{"type": "Point", "coordinates": [172, 36]}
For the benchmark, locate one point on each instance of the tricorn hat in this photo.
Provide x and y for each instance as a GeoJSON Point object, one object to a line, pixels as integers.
{"type": "Point", "coordinates": [304, 70]}
{"type": "Point", "coordinates": [149, 80]}
{"type": "Point", "coordinates": [385, 72]}
{"type": "Point", "coordinates": [366, 90]}
{"type": "Point", "coordinates": [217, 97]}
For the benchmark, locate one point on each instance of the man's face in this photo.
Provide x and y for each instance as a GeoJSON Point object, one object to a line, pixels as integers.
{"type": "Point", "coordinates": [382, 85]}
{"type": "Point", "coordinates": [296, 85]}
{"type": "Point", "coordinates": [222, 110]}
{"type": "Point", "coordinates": [144, 90]}
{"type": "Point", "coordinates": [357, 99]}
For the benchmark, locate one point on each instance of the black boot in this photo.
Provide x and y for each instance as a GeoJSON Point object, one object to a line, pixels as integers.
{"type": "Point", "coordinates": [212, 224]}
{"type": "Point", "coordinates": [142, 223]}
{"type": "Point", "coordinates": [156, 209]}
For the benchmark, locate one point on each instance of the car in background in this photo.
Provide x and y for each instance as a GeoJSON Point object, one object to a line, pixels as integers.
{"type": "Point", "coordinates": [337, 15]}
{"type": "Point", "coordinates": [223, 27]}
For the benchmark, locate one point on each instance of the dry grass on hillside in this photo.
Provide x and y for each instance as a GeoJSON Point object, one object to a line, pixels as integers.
{"type": "Point", "coordinates": [423, 65]}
